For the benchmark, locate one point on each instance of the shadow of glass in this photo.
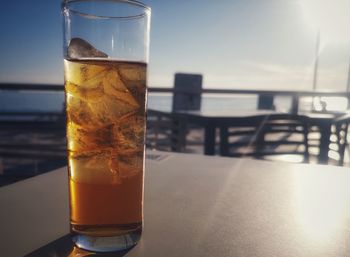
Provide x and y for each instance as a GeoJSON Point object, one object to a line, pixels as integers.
{"type": "Point", "coordinates": [64, 247]}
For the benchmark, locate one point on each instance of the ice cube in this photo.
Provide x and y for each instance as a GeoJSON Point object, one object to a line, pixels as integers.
{"type": "Point", "coordinates": [89, 94]}
{"type": "Point", "coordinates": [115, 87]}
{"type": "Point", "coordinates": [79, 48]}
{"type": "Point", "coordinates": [89, 139]}
{"type": "Point", "coordinates": [92, 167]}
{"type": "Point", "coordinates": [83, 77]}
{"type": "Point", "coordinates": [79, 112]}
{"type": "Point", "coordinates": [125, 165]}
{"type": "Point", "coordinates": [128, 72]}
{"type": "Point", "coordinates": [129, 134]}
{"type": "Point", "coordinates": [138, 91]}
{"type": "Point", "coordinates": [111, 109]}
{"type": "Point", "coordinates": [130, 165]}
{"type": "Point", "coordinates": [135, 81]}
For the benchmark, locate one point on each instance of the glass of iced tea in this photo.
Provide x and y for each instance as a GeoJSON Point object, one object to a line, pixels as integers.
{"type": "Point", "coordinates": [105, 61]}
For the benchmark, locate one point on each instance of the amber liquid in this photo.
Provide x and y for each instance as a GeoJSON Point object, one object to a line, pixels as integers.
{"type": "Point", "coordinates": [106, 210]}
{"type": "Point", "coordinates": [105, 103]}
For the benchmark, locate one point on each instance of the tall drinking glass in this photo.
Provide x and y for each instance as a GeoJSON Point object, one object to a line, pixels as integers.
{"type": "Point", "coordinates": [105, 61]}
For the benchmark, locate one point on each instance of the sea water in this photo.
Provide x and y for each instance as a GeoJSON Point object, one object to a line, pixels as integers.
{"type": "Point", "coordinates": [38, 101]}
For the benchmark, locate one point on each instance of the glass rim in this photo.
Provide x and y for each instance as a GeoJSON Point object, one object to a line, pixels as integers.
{"type": "Point", "coordinates": [147, 9]}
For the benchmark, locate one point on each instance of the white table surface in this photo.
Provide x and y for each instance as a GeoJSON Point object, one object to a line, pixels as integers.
{"type": "Point", "coordinates": [202, 206]}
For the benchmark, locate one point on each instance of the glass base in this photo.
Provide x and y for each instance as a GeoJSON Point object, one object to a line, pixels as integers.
{"type": "Point", "coordinates": [107, 244]}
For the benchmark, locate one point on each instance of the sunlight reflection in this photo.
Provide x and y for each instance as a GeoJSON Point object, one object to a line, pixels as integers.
{"type": "Point", "coordinates": [322, 202]}
{"type": "Point", "coordinates": [330, 103]}
{"type": "Point", "coordinates": [76, 252]}
{"type": "Point", "coordinates": [334, 155]}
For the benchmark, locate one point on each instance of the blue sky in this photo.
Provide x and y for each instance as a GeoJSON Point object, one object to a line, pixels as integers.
{"type": "Point", "coordinates": [254, 44]}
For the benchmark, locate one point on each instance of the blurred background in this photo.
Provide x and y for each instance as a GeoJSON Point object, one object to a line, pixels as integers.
{"type": "Point", "coordinates": [289, 45]}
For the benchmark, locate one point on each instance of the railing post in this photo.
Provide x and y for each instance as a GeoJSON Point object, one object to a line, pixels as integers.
{"type": "Point", "coordinates": [265, 102]}
{"type": "Point", "coordinates": [295, 104]}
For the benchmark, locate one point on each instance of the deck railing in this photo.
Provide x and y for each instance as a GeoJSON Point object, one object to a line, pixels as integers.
{"type": "Point", "coordinates": [264, 96]}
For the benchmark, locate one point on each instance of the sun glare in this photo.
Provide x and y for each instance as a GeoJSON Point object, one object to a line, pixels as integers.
{"type": "Point", "coordinates": [332, 104]}
{"type": "Point", "coordinates": [330, 17]}
{"type": "Point", "coordinates": [321, 208]}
